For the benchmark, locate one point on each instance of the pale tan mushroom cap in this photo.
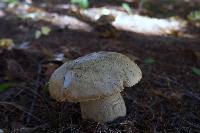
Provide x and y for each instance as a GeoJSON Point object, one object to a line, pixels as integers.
{"type": "Point", "coordinates": [93, 76]}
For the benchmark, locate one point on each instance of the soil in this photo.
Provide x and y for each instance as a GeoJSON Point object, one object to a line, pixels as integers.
{"type": "Point", "coordinates": [166, 100]}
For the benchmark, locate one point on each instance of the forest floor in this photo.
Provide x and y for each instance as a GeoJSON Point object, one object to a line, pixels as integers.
{"type": "Point", "coordinates": [167, 99]}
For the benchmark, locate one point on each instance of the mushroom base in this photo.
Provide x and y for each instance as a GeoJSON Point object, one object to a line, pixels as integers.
{"type": "Point", "coordinates": [105, 109]}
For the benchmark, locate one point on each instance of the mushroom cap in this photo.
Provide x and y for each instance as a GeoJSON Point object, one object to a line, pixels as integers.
{"type": "Point", "coordinates": [93, 76]}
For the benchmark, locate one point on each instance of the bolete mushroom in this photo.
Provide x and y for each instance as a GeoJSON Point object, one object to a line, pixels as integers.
{"type": "Point", "coordinates": [96, 80]}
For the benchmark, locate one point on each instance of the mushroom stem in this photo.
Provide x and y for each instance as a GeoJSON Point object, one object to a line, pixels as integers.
{"type": "Point", "coordinates": [105, 109]}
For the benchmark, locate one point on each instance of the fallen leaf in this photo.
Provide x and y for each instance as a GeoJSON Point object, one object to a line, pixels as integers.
{"type": "Point", "coordinates": [194, 16]}
{"type": "Point", "coordinates": [127, 8]}
{"type": "Point", "coordinates": [32, 9]}
{"type": "Point", "coordinates": [59, 57]}
{"type": "Point", "coordinates": [9, 1]}
{"type": "Point", "coordinates": [38, 34]}
{"type": "Point", "coordinates": [149, 61]}
{"type": "Point", "coordinates": [196, 71]}
{"type": "Point", "coordinates": [45, 30]}
{"type": "Point", "coordinates": [46, 88]}
{"type": "Point", "coordinates": [6, 43]}
{"type": "Point", "coordinates": [5, 86]}
{"type": "Point", "coordinates": [82, 3]}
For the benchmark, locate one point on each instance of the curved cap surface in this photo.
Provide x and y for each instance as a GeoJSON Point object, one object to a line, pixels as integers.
{"type": "Point", "coordinates": [93, 76]}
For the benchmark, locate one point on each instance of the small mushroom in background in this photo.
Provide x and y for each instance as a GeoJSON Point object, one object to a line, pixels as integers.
{"type": "Point", "coordinates": [96, 80]}
{"type": "Point", "coordinates": [104, 27]}
{"type": "Point", "coordinates": [105, 19]}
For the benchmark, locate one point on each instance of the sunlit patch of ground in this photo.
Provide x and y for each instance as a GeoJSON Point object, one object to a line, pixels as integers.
{"type": "Point", "coordinates": [137, 23]}
{"type": "Point", "coordinates": [123, 20]}
{"type": "Point", "coordinates": [26, 11]}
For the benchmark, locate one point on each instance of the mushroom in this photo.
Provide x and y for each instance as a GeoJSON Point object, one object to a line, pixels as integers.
{"type": "Point", "coordinates": [104, 27]}
{"type": "Point", "coordinates": [96, 80]}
